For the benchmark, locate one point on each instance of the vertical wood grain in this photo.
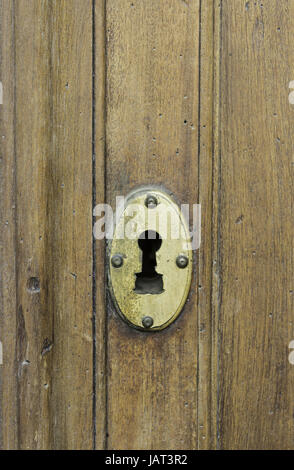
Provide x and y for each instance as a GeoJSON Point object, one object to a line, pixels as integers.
{"type": "Point", "coordinates": [100, 372]}
{"type": "Point", "coordinates": [207, 386]}
{"type": "Point", "coordinates": [32, 130]}
{"type": "Point", "coordinates": [8, 365]}
{"type": "Point", "coordinates": [215, 229]}
{"type": "Point", "coordinates": [103, 96]}
{"type": "Point", "coordinates": [152, 138]}
{"type": "Point", "coordinates": [53, 176]}
{"type": "Point", "coordinates": [70, 169]}
{"type": "Point", "coordinates": [257, 224]}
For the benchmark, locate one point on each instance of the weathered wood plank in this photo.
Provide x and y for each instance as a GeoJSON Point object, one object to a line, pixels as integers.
{"type": "Point", "coordinates": [215, 241]}
{"type": "Point", "coordinates": [152, 138]}
{"type": "Point", "coordinates": [8, 376]}
{"type": "Point", "coordinates": [257, 224]}
{"type": "Point", "coordinates": [207, 386]}
{"type": "Point", "coordinates": [33, 129]}
{"type": "Point", "coordinates": [53, 134]}
{"type": "Point", "coordinates": [99, 197]}
{"type": "Point", "coordinates": [70, 274]}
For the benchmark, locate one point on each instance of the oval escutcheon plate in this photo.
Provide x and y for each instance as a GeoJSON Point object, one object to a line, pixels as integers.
{"type": "Point", "coordinates": [150, 260]}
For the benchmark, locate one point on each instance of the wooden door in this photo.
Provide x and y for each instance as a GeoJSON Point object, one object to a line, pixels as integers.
{"type": "Point", "coordinates": [100, 97]}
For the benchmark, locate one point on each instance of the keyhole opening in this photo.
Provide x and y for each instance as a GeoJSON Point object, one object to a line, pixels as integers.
{"type": "Point", "coordinates": [148, 281]}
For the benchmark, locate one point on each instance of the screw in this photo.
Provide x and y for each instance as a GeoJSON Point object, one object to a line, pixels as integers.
{"type": "Point", "coordinates": [117, 261]}
{"type": "Point", "coordinates": [151, 201]}
{"type": "Point", "coordinates": [182, 261]}
{"type": "Point", "coordinates": [147, 322]}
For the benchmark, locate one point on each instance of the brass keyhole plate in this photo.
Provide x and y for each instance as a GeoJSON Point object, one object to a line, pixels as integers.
{"type": "Point", "coordinates": [154, 211]}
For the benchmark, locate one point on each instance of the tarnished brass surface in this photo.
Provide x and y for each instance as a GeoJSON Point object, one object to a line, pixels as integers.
{"type": "Point", "coordinates": [136, 218]}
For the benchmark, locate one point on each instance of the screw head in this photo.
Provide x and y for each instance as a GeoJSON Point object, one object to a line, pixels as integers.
{"type": "Point", "coordinates": [151, 201]}
{"type": "Point", "coordinates": [147, 322]}
{"type": "Point", "coordinates": [182, 261]}
{"type": "Point", "coordinates": [117, 261]}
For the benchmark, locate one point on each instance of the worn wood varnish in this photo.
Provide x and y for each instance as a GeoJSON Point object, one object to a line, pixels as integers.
{"type": "Point", "coordinates": [101, 97]}
{"type": "Point", "coordinates": [151, 135]}
{"type": "Point", "coordinates": [8, 375]}
{"type": "Point", "coordinates": [256, 226]}
{"type": "Point", "coordinates": [49, 307]}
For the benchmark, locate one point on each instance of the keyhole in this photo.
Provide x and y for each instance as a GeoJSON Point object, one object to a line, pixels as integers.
{"type": "Point", "coordinates": [148, 281]}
